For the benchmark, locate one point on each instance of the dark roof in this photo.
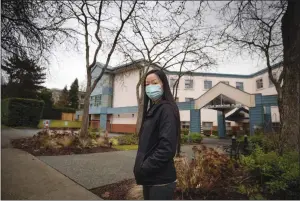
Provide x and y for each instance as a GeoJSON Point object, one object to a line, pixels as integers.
{"type": "Point", "coordinates": [139, 62]}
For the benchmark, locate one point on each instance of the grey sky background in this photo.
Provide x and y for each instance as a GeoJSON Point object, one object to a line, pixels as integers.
{"type": "Point", "coordinates": [67, 65]}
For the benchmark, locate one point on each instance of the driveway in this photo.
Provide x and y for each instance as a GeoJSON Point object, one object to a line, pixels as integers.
{"type": "Point", "coordinates": [8, 134]}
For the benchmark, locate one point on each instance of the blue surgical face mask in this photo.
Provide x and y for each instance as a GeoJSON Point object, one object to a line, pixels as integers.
{"type": "Point", "coordinates": [154, 91]}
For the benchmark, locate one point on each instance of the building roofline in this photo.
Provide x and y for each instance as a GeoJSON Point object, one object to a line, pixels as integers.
{"type": "Point", "coordinates": [115, 70]}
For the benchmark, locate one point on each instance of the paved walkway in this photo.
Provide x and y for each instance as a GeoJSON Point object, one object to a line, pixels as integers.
{"type": "Point", "coordinates": [26, 177]}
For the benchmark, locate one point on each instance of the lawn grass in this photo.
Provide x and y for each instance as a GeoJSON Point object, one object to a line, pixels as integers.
{"type": "Point", "coordinates": [126, 147]}
{"type": "Point", "coordinates": [61, 124]}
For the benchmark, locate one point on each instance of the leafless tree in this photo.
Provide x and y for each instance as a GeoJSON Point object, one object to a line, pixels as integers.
{"type": "Point", "coordinates": [82, 85]}
{"type": "Point", "coordinates": [172, 41]}
{"type": "Point", "coordinates": [102, 21]}
{"type": "Point", "coordinates": [258, 27]}
{"type": "Point", "coordinates": [31, 28]}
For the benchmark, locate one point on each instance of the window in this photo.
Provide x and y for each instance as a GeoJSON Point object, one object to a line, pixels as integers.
{"type": "Point", "coordinates": [207, 125]}
{"type": "Point", "coordinates": [228, 125]}
{"type": "Point", "coordinates": [95, 100]}
{"type": "Point", "coordinates": [188, 99]}
{"type": "Point", "coordinates": [185, 125]}
{"type": "Point", "coordinates": [176, 99]}
{"type": "Point", "coordinates": [239, 85]}
{"type": "Point", "coordinates": [225, 82]}
{"type": "Point", "coordinates": [271, 84]}
{"type": "Point", "coordinates": [172, 82]}
{"type": "Point", "coordinates": [189, 84]}
{"type": "Point", "coordinates": [207, 84]}
{"type": "Point", "coordinates": [259, 83]}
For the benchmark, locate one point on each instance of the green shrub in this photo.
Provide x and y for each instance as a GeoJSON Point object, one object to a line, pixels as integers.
{"type": "Point", "coordinates": [278, 175]}
{"type": "Point", "coordinates": [21, 112]}
{"type": "Point", "coordinates": [194, 138]}
{"type": "Point", "coordinates": [185, 131]}
{"type": "Point", "coordinates": [215, 133]}
{"type": "Point", "coordinates": [131, 139]}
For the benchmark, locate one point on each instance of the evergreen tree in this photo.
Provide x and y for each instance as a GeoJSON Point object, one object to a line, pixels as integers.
{"type": "Point", "coordinates": [64, 98]}
{"type": "Point", "coordinates": [46, 96]}
{"type": "Point", "coordinates": [25, 77]}
{"type": "Point", "coordinates": [73, 94]}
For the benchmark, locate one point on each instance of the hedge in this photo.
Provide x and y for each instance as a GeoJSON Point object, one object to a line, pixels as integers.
{"type": "Point", "coordinates": [21, 112]}
{"type": "Point", "coordinates": [56, 112]}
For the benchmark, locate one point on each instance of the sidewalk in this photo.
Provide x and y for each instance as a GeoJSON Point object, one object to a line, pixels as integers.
{"type": "Point", "coordinates": [24, 177]}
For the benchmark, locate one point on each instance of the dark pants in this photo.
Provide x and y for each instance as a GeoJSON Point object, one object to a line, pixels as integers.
{"type": "Point", "coordinates": [165, 192]}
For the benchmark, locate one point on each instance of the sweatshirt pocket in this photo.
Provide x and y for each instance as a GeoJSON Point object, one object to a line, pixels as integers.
{"type": "Point", "coordinates": [138, 163]}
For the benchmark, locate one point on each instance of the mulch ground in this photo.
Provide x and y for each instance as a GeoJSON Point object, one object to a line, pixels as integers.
{"type": "Point", "coordinates": [30, 146]}
{"type": "Point", "coordinates": [118, 191]}
{"type": "Point", "coordinates": [115, 191]}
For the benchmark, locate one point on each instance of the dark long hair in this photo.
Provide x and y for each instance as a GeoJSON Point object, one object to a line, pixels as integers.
{"type": "Point", "coordinates": [167, 96]}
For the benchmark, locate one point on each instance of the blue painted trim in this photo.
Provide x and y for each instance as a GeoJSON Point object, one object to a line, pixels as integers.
{"type": "Point", "coordinates": [103, 120]}
{"type": "Point", "coordinates": [221, 126]}
{"type": "Point", "coordinates": [195, 121]}
{"type": "Point", "coordinates": [226, 75]}
{"type": "Point", "coordinates": [268, 119]}
{"type": "Point", "coordinates": [256, 114]}
{"type": "Point", "coordinates": [186, 105]}
{"type": "Point", "coordinates": [271, 100]}
{"type": "Point", "coordinates": [120, 110]}
{"type": "Point", "coordinates": [107, 91]}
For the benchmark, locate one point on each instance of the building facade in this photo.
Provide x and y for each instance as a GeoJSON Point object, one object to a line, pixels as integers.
{"type": "Point", "coordinates": [115, 97]}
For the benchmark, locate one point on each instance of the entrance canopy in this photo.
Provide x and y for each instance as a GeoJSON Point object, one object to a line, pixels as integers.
{"type": "Point", "coordinates": [225, 98]}
{"type": "Point", "coordinates": [238, 115]}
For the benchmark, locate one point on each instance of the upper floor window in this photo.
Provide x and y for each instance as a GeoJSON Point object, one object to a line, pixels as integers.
{"type": "Point", "coordinates": [239, 85]}
{"type": "Point", "coordinates": [259, 83]}
{"type": "Point", "coordinates": [207, 84]}
{"type": "Point", "coordinates": [270, 82]}
{"type": "Point", "coordinates": [95, 100]}
{"type": "Point", "coordinates": [189, 83]}
{"type": "Point", "coordinates": [188, 99]}
{"type": "Point", "coordinates": [225, 82]}
{"type": "Point", "coordinates": [172, 82]}
{"type": "Point", "coordinates": [176, 99]}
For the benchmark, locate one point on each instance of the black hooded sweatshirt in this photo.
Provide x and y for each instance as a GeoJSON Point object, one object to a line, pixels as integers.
{"type": "Point", "coordinates": [154, 162]}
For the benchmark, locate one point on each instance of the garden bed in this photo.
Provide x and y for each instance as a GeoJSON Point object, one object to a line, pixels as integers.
{"type": "Point", "coordinates": [46, 143]}
{"type": "Point", "coordinates": [120, 191]}
{"type": "Point", "coordinates": [29, 145]}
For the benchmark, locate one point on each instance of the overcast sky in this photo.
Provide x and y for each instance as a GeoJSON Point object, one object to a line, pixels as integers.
{"type": "Point", "coordinates": [68, 65]}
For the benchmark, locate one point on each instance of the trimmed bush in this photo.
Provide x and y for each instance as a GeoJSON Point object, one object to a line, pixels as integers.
{"type": "Point", "coordinates": [194, 138]}
{"type": "Point", "coordinates": [56, 112]}
{"type": "Point", "coordinates": [21, 112]}
{"type": "Point", "coordinates": [130, 139]}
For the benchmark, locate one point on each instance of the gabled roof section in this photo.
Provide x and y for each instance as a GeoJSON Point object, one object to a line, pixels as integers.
{"type": "Point", "coordinates": [225, 89]}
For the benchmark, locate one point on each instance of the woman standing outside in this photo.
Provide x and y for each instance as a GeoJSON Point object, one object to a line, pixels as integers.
{"type": "Point", "coordinates": [154, 165]}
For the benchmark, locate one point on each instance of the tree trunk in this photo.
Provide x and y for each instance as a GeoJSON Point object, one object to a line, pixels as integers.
{"type": "Point", "coordinates": [291, 62]}
{"type": "Point", "coordinates": [139, 116]}
{"type": "Point", "coordinates": [85, 117]}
